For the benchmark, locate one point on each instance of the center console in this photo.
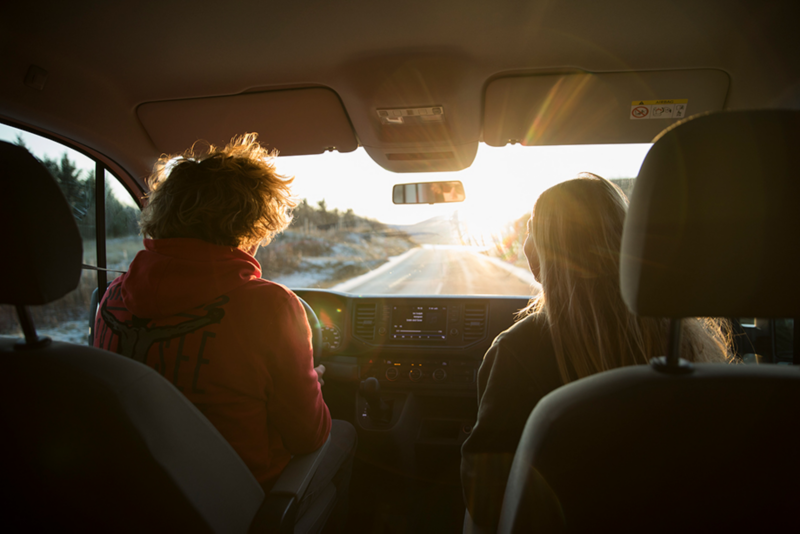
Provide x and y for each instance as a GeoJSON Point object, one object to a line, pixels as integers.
{"type": "Point", "coordinates": [403, 370]}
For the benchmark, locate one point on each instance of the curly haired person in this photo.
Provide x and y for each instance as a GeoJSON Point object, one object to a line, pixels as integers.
{"type": "Point", "coordinates": [194, 307]}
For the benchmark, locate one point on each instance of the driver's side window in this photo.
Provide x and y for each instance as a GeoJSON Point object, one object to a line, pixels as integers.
{"type": "Point", "coordinates": [67, 319]}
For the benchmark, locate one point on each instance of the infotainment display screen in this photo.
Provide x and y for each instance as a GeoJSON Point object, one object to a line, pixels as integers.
{"type": "Point", "coordinates": [419, 323]}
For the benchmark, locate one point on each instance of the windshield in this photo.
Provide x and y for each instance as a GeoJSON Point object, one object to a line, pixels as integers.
{"type": "Point", "coordinates": [348, 235]}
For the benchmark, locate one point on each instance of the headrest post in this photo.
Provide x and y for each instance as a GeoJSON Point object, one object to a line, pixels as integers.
{"type": "Point", "coordinates": [672, 364]}
{"type": "Point", "coordinates": [29, 329]}
{"type": "Point", "coordinates": [674, 344]}
{"type": "Point", "coordinates": [26, 321]}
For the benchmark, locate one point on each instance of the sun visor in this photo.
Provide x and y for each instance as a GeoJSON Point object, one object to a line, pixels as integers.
{"type": "Point", "coordinates": [587, 108]}
{"type": "Point", "coordinates": [293, 121]}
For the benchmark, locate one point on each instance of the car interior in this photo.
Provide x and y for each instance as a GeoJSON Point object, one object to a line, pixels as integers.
{"type": "Point", "coordinates": [101, 442]}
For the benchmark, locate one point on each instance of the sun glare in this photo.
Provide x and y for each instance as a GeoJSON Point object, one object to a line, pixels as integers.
{"type": "Point", "coordinates": [501, 185]}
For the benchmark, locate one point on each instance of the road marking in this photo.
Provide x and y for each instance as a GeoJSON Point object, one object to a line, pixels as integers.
{"type": "Point", "coordinates": [391, 264]}
{"type": "Point", "coordinates": [523, 274]}
{"type": "Point", "coordinates": [401, 279]}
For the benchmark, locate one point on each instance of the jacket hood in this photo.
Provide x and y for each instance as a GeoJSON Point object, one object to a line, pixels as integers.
{"type": "Point", "coordinates": [171, 276]}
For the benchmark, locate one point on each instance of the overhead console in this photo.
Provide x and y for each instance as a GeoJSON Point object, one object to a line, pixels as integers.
{"type": "Point", "coordinates": [414, 112]}
{"type": "Point", "coordinates": [596, 108]}
{"type": "Point", "coordinates": [300, 121]}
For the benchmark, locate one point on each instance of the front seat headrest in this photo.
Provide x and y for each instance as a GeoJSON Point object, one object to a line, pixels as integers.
{"type": "Point", "coordinates": [714, 219]}
{"type": "Point", "coordinates": [41, 255]}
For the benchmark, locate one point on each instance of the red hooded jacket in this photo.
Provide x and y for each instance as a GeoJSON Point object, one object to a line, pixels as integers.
{"type": "Point", "coordinates": [238, 346]}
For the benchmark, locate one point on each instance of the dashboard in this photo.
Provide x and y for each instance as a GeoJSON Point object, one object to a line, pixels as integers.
{"type": "Point", "coordinates": [404, 369]}
{"type": "Point", "coordinates": [409, 342]}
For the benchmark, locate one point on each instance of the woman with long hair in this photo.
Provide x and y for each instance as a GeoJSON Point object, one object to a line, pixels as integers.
{"type": "Point", "coordinates": [577, 325]}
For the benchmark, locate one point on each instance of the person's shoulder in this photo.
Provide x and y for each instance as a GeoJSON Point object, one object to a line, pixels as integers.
{"type": "Point", "coordinates": [525, 352]}
{"type": "Point", "coordinates": [527, 340]}
{"type": "Point", "coordinates": [529, 330]}
{"type": "Point", "coordinates": [269, 288]}
{"type": "Point", "coordinates": [266, 294]}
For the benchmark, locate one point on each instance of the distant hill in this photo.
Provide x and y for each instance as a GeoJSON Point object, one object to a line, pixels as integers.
{"type": "Point", "coordinates": [438, 230]}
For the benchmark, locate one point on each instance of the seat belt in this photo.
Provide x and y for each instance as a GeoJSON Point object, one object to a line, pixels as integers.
{"type": "Point", "coordinates": [93, 268]}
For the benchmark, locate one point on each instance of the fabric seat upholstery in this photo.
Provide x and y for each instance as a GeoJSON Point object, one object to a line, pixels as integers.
{"type": "Point", "coordinates": [98, 440]}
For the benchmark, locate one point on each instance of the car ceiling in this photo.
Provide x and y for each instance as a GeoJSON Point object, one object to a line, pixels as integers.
{"type": "Point", "coordinates": [106, 61]}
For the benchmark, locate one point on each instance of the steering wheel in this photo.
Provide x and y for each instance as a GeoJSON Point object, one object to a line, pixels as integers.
{"type": "Point", "coordinates": [316, 332]}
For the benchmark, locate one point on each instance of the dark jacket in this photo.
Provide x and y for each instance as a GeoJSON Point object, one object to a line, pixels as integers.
{"type": "Point", "coordinates": [519, 369]}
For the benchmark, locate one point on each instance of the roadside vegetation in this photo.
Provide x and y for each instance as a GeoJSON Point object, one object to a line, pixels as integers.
{"type": "Point", "coordinates": [324, 247]}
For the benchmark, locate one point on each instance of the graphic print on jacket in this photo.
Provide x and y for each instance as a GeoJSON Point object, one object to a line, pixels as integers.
{"type": "Point", "coordinates": [235, 345]}
{"type": "Point", "coordinates": [135, 337]}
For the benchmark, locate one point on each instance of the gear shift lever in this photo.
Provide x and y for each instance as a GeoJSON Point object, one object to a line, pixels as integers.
{"type": "Point", "coordinates": [377, 410]}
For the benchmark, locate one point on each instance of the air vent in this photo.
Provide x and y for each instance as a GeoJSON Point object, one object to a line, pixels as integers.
{"type": "Point", "coordinates": [474, 322]}
{"type": "Point", "coordinates": [365, 321]}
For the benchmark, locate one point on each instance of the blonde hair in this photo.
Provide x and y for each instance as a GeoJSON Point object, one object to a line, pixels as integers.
{"type": "Point", "coordinates": [577, 233]}
{"type": "Point", "coordinates": [227, 196]}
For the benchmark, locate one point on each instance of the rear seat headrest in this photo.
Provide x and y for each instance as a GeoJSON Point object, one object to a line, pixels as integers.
{"type": "Point", "coordinates": [714, 220]}
{"type": "Point", "coordinates": [41, 245]}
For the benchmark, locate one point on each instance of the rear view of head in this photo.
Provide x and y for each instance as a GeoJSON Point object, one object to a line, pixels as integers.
{"type": "Point", "coordinates": [227, 196]}
{"type": "Point", "coordinates": [576, 232]}
{"type": "Point", "coordinates": [573, 247]}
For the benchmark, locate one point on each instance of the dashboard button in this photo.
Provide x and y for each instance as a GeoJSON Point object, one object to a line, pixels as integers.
{"type": "Point", "coordinates": [439, 375]}
{"type": "Point", "coordinates": [392, 374]}
{"type": "Point", "coordinates": [332, 336]}
{"type": "Point", "coordinates": [415, 374]}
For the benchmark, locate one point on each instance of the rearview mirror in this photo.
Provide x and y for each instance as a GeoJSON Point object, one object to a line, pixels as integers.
{"type": "Point", "coordinates": [428, 193]}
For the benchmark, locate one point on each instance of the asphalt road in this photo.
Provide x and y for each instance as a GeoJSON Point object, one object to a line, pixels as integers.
{"type": "Point", "coordinates": [442, 271]}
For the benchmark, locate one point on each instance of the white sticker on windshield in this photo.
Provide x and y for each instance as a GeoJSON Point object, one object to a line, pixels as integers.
{"type": "Point", "coordinates": [658, 109]}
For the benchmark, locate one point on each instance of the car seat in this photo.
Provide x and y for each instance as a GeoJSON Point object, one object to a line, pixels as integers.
{"type": "Point", "coordinates": [674, 446]}
{"type": "Point", "coordinates": [98, 442]}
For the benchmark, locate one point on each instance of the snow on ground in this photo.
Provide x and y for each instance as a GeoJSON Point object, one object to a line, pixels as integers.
{"type": "Point", "coordinates": [69, 331]}
{"type": "Point", "coordinates": [303, 279]}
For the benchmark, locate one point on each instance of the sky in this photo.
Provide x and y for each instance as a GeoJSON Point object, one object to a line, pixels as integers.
{"type": "Point", "coordinates": [501, 185]}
